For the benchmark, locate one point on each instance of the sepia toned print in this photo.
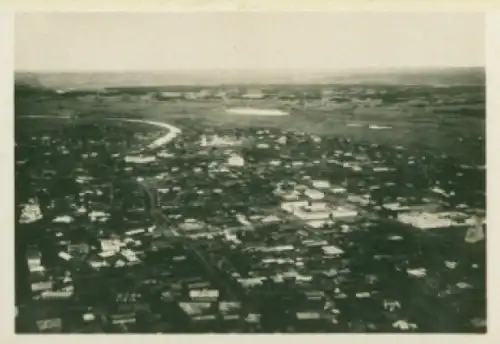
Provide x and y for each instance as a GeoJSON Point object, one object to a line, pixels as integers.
{"type": "Point", "coordinates": [250, 173]}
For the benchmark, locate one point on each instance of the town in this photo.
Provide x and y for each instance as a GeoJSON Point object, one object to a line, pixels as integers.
{"type": "Point", "coordinates": [254, 228]}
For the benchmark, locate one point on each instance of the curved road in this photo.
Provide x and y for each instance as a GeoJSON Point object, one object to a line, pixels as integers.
{"type": "Point", "coordinates": [172, 134]}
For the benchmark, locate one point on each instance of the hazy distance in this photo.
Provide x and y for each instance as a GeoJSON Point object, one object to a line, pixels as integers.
{"type": "Point", "coordinates": [231, 41]}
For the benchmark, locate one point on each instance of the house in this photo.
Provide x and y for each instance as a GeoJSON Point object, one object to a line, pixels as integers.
{"type": "Point", "coordinates": [381, 169]}
{"type": "Point", "coordinates": [321, 184]}
{"type": "Point", "coordinates": [235, 160]}
{"type": "Point", "coordinates": [130, 256]}
{"type": "Point", "coordinates": [78, 249]}
{"type": "Point", "coordinates": [230, 310]}
{"type": "Point", "coordinates": [123, 318]}
{"type": "Point", "coordinates": [34, 258]}
{"type": "Point", "coordinates": [308, 315]}
{"type": "Point", "coordinates": [271, 219]}
{"type": "Point", "coordinates": [279, 248]}
{"type": "Point", "coordinates": [41, 286]}
{"type": "Point", "coordinates": [307, 213]}
{"type": "Point", "coordinates": [218, 141]}
{"type": "Point", "coordinates": [49, 325]}
{"type": "Point", "coordinates": [315, 295]}
{"type": "Point", "coordinates": [63, 219]}
{"type": "Point", "coordinates": [251, 281]}
{"type": "Point", "coordinates": [65, 256]}
{"type": "Point", "coordinates": [332, 250]}
{"type": "Point", "coordinates": [63, 294]}
{"type": "Point", "coordinates": [292, 196]}
{"type": "Point", "coordinates": [140, 159]}
{"type": "Point", "coordinates": [192, 225]}
{"type": "Point", "coordinates": [253, 95]}
{"type": "Point", "coordinates": [314, 194]}
{"type": "Point", "coordinates": [204, 294]}
{"type": "Point", "coordinates": [97, 262]}
{"type": "Point", "coordinates": [134, 232]}
{"type": "Point", "coordinates": [395, 207]}
{"type": "Point", "coordinates": [195, 310]}
{"type": "Point", "coordinates": [316, 224]}
{"type": "Point", "coordinates": [342, 212]}
{"type": "Point", "coordinates": [110, 246]}
{"type": "Point", "coordinates": [363, 200]}
{"type": "Point", "coordinates": [88, 317]}
{"type": "Point", "coordinates": [253, 318]}
{"type": "Point", "coordinates": [31, 212]}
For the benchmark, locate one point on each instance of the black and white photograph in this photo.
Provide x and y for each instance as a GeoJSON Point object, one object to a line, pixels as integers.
{"type": "Point", "coordinates": [250, 172]}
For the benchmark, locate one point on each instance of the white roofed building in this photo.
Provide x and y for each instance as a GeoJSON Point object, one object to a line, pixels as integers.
{"type": "Point", "coordinates": [140, 159]}
{"type": "Point", "coordinates": [204, 294]}
{"type": "Point", "coordinates": [321, 184]}
{"type": "Point", "coordinates": [314, 194]}
{"type": "Point", "coordinates": [235, 160]}
{"type": "Point", "coordinates": [342, 212]}
{"type": "Point", "coordinates": [426, 220]}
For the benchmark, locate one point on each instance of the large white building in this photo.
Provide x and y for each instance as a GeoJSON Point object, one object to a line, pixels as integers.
{"type": "Point", "coordinates": [235, 161]}
{"type": "Point", "coordinates": [427, 220]}
{"type": "Point", "coordinates": [314, 194]}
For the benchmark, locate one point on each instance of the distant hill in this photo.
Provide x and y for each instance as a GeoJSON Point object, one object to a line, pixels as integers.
{"type": "Point", "coordinates": [92, 80]}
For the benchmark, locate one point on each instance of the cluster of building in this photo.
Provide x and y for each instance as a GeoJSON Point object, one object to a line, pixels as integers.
{"type": "Point", "coordinates": [236, 231]}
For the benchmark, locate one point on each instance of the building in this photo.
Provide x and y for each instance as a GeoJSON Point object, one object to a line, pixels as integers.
{"type": "Point", "coordinates": [49, 325]}
{"type": "Point", "coordinates": [34, 258]}
{"type": "Point", "coordinates": [42, 285]}
{"type": "Point", "coordinates": [141, 159]}
{"type": "Point", "coordinates": [321, 184]}
{"type": "Point", "coordinates": [65, 256]}
{"type": "Point", "coordinates": [130, 256]}
{"type": "Point", "coordinates": [314, 194]}
{"type": "Point", "coordinates": [427, 220]}
{"type": "Point", "coordinates": [251, 281]}
{"type": "Point", "coordinates": [235, 160]}
{"type": "Point", "coordinates": [362, 200]}
{"type": "Point", "coordinates": [256, 112]}
{"type": "Point", "coordinates": [218, 141]}
{"type": "Point", "coordinates": [63, 219]}
{"type": "Point", "coordinates": [110, 246]}
{"type": "Point", "coordinates": [341, 212]}
{"type": "Point", "coordinates": [207, 295]}
{"type": "Point", "coordinates": [64, 294]}
{"type": "Point", "coordinates": [313, 211]}
{"type": "Point", "coordinates": [78, 249]}
{"type": "Point", "coordinates": [230, 311]}
{"type": "Point", "coordinates": [31, 212]}
{"type": "Point", "coordinates": [97, 262]}
{"type": "Point", "coordinates": [123, 318]}
{"type": "Point", "coordinates": [395, 207]}
{"type": "Point", "coordinates": [198, 311]}
{"type": "Point", "coordinates": [253, 94]}
{"type": "Point", "coordinates": [319, 223]}
{"type": "Point", "coordinates": [331, 250]}
{"type": "Point", "coordinates": [308, 315]}
{"type": "Point", "coordinates": [292, 196]}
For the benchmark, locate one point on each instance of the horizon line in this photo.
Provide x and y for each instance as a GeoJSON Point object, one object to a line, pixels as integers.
{"type": "Point", "coordinates": [252, 70]}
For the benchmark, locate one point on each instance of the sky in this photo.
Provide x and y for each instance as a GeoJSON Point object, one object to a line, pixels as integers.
{"type": "Point", "coordinates": [247, 41]}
